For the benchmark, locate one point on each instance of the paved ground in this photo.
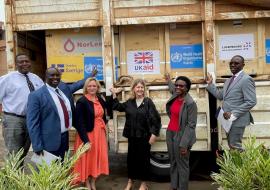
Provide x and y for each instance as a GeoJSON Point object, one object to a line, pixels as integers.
{"type": "Point", "coordinates": [117, 178]}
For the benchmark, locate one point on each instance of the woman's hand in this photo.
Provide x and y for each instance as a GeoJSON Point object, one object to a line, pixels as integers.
{"type": "Point", "coordinates": [152, 139]}
{"type": "Point", "coordinates": [115, 91]}
{"type": "Point", "coordinates": [209, 78]}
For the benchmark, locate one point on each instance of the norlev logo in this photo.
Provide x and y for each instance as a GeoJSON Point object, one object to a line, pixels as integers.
{"type": "Point", "coordinates": [69, 46]}
{"type": "Point", "coordinates": [60, 67]}
{"type": "Point", "coordinates": [176, 57]}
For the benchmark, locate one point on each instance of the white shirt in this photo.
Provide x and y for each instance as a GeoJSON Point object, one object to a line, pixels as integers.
{"type": "Point", "coordinates": [59, 107]}
{"type": "Point", "coordinates": [14, 91]}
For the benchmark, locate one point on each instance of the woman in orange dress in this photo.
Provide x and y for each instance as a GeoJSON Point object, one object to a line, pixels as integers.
{"type": "Point", "coordinates": [91, 128]}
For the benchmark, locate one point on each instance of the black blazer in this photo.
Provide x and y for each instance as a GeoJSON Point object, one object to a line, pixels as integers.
{"type": "Point", "coordinates": [136, 124]}
{"type": "Point", "coordinates": [85, 116]}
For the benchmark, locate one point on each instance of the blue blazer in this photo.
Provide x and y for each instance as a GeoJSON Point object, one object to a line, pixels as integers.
{"type": "Point", "coordinates": [43, 121]}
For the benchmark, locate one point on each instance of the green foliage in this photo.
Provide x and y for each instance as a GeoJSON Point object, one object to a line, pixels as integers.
{"type": "Point", "coordinates": [248, 170]}
{"type": "Point", "coordinates": [56, 176]}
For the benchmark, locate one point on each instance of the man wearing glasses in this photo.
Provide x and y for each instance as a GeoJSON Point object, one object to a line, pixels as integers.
{"type": "Point", "coordinates": [239, 97]}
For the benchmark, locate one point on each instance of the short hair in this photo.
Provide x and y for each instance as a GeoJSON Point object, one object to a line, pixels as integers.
{"type": "Point", "coordinates": [20, 54]}
{"type": "Point", "coordinates": [134, 84]}
{"type": "Point", "coordinates": [87, 82]}
{"type": "Point", "coordinates": [187, 81]}
{"type": "Point", "coordinates": [241, 57]}
{"type": "Point", "coordinates": [55, 68]}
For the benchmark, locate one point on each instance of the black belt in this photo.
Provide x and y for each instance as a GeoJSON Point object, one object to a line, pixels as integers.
{"type": "Point", "coordinates": [14, 114]}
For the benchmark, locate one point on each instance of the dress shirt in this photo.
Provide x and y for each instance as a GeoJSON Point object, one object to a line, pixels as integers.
{"type": "Point", "coordinates": [14, 91]}
{"type": "Point", "coordinates": [59, 107]}
{"type": "Point", "coordinates": [237, 74]}
{"type": "Point", "coordinates": [232, 117]}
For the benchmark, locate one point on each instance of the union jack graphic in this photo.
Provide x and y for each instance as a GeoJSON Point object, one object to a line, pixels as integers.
{"type": "Point", "coordinates": [143, 57]}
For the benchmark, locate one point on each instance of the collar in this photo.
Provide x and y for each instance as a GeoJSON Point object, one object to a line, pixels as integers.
{"type": "Point", "coordinates": [237, 74]}
{"type": "Point", "coordinates": [52, 88]}
{"type": "Point", "coordinates": [22, 74]}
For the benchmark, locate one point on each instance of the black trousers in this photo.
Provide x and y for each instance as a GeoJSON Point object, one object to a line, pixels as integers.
{"type": "Point", "coordinates": [138, 159]}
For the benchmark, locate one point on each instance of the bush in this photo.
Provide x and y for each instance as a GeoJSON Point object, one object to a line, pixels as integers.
{"type": "Point", "coordinates": [248, 170]}
{"type": "Point", "coordinates": [56, 176]}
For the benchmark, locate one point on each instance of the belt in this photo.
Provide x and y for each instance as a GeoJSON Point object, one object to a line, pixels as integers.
{"type": "Point", "coordinates": [14, 114]}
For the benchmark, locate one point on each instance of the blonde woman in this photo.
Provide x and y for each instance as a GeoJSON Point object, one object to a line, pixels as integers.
{"type": "Point", "coordinates": [142, 126]}
{"type": "Point", "coordinates": [90, 124]}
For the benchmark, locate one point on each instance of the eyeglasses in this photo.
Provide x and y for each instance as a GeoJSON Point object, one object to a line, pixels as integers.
{"type": "Point", "coordinates": [179, 85]}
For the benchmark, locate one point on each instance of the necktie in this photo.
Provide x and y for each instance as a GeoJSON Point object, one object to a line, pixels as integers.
{"type": "Point", "coordinates": [64, 108]}
{"type": "Point", "coordinates": [231, 81]}
{"type": "Point", "coordinates": [29, 83]}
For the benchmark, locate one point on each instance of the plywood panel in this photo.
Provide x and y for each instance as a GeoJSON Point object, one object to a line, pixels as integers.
{"type": "Point", "coordinates": [57, 17]}
{"type": "Point", "coordinates": [265, 35]}
{"type": "Point", "coordinates": [3, 61]}
{"type": "Point", "coordinates": [31, 3]}
{"type": "Point", "coordinates": [141, 3]}
{"type": "Point", "coordinates": [85, 43]}
{"type": "Point", "coordinates": [221, 7]}
{"type": "Point", "coordinates": [142, 37]}
{"type": "Point", "coordinates": [186, 34]}
{"type": "Point", "coordinates": [228, 28]}
{"type": "Point", "coordinates": [56, 8]}
{"type": "Point", "coordinates": [37, 14]}
{"type": "Point", "coordinates": [156, 11]}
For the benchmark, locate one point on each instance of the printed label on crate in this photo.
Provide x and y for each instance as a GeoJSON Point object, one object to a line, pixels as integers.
{"type": "Point", "coordinates": [143, 62]}
{"type": "Point", "coordinates": [77, 67]}
{"type": "Point", "coordinates": [186, 56]}
{"type": "Point", "coordinates": [97, 62]}
{"type": "Point", "coordinates": [267, 51]}
{"type": "Point", "coordinates": [81, 44]}
{"type": "Point", "coordinates": [70, 67]}
{"type": "Point", "coordinates": [237, 44]}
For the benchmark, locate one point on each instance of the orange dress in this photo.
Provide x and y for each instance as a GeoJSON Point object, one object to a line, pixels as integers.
{"type": "Point", "coordinates": [95, 161]}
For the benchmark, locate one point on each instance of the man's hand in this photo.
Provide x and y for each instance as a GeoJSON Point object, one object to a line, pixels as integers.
{"type": "Point", "coordinates": [94, 71]}
{"type": "Point", "coordinates": [183, 151]}
{"type": "Point", "coordinates": [209, 78]}
{"type": "Point", "coordinates": [227, 115]}
{"type": "Point", "coordinates": [40, 153]}
{"type": "Point", "coordinates": [152, 139]}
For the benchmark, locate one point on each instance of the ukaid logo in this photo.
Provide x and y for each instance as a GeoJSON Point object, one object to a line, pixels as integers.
{"type": "Point", "coordinates": [143, 62]}
{"type": "Point", "coordinates": [81, 44]}
{"type": "Point", "coordinates": [238, 44]}
{"type": "Point", "coordinates": [186, 56]}
{"type": "Point", "coordinates": [267, 51]}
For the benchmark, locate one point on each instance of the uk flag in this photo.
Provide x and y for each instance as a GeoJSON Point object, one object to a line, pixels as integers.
{"type": "Point", "coordinates": [143, 57]}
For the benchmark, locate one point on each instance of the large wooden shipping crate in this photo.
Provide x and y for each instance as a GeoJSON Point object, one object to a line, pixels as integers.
{"type": "Point", "coordinates": [185, 37]}
{"type": "Point", "coordinates": [254, 34]}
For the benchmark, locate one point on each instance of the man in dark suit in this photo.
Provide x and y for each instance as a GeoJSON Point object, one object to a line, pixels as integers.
{"type": "Point", "coordinates": [239, 97]}
{"type": "Point", "coordinates": [49, 114]}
